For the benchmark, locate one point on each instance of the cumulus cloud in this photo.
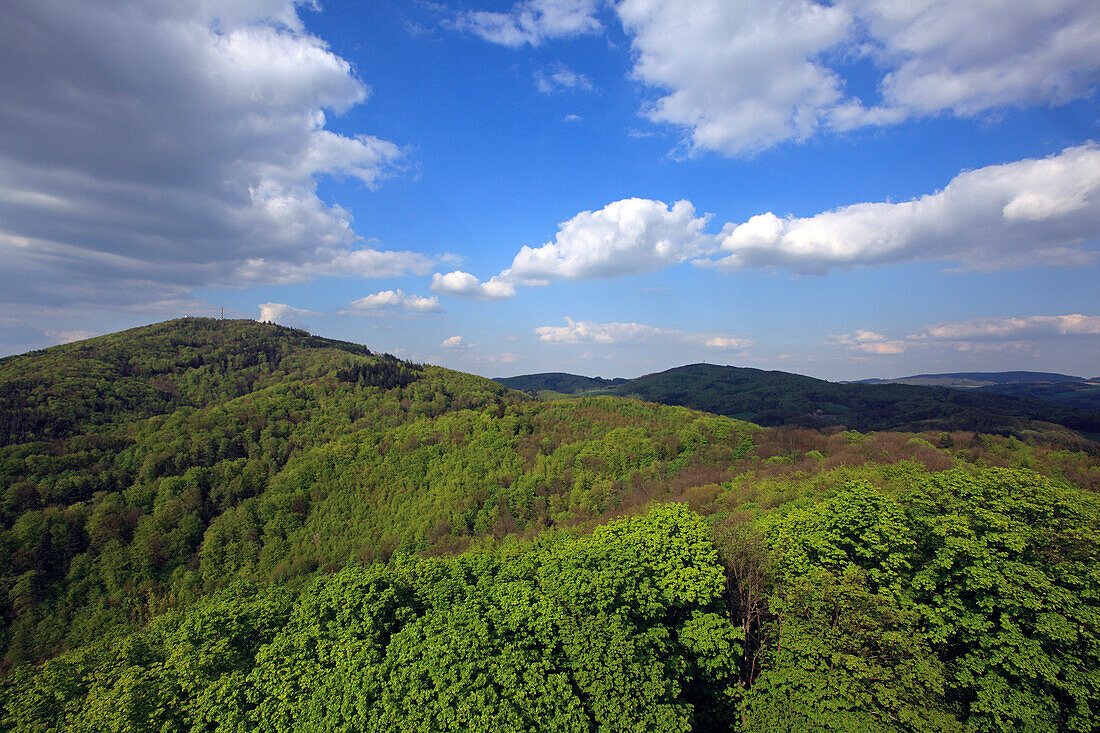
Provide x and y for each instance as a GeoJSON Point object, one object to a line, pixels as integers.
{"type": "Point", "coordinates": [590, 332]}
{"type": "Point", "coordinates": [970, 57]}
{"type": "Point", "coordinates": [532, 21]}
{"type": "Point", "coordinates": [150, 147]}
{"type": "Point", "coordinates": [283, 314]}
{"type": "Point", "coordinates": [393, 300]}
{"type": "Point", "coordinates": [455, 342]}
{"type": "Point", "coordinates": [559, 78]}
{"type": "Point", "coordinates": [465, 285]}
{"type": "Point", "coordinates": [742, 77]}
{"type": "Point", "coordinates": [1029, 212]}
{"type": "Point", "coordinates": [625, 237]}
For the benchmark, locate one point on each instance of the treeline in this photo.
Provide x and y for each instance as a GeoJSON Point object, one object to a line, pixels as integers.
{"type": "Point", "coordinates": [967, 602]}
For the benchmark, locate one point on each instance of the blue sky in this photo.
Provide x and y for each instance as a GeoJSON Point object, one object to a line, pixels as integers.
{"type": "Point", "coordinates": [608, 188]}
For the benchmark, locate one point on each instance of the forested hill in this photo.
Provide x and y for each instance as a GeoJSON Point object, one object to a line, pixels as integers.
{"type": "Point", "coordinates": [1058, 388]}
{"type": "Point", "coordinates": [977, 379]}
{"type": "Point", "coordinates": [153, 370]}
{"type": "Point", "coordinates": [225, 526]}
{"type": "Point", "coordinates": [154, 463]}
{"type": "Point", "coordinates": [558, 382]}
{"type": "Point", "coordinates": [781, 398]}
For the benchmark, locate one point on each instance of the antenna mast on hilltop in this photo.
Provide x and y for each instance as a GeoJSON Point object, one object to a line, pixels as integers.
{"type": "Point", "coordinates": [222, 316]}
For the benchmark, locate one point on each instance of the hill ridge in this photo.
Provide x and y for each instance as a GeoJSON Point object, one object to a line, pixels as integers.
{"type": "Point", "coordinates": [772, 397]}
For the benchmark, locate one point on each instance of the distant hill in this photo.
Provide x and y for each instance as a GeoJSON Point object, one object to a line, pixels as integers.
{"type": "Point", "coordinates": [558, 382]}
{"type": "Point", "coordinates": [1060, 388]}
{"type": "Point", "coordinates": [976, 379]}
{"type": "Point", "coordinates": [780, 398]}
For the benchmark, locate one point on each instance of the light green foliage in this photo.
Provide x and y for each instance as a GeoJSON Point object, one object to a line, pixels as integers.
{"type": "Point", "coordinates": [269, 454]}
{"type": "Point", "coordinates": [1010, 592]}
{"type": "Point", "coordinates": [972, 597]}
{"type": "Point", "coordinates": [856, 527]}
{"type": "Point", "coordinates": [621, 630]}
{"type": "Point", "coordinates": [848, 651]}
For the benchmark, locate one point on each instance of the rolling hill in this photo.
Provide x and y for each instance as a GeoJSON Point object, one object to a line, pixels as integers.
{"type": "Point", "coordinates": [977, 379]}
{"type": "Point", "coordinates": [781, 398]}
{"type": "Point", "coordinates": [228, 525]}
{"type": "Point", "coordinates": [1062, 389]}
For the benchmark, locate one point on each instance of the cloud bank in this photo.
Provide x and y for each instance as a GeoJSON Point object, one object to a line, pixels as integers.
{"type": "Point", "coordinates": [393, 300]}
{"type": "Point", "coordinates": [625, 237]}
{"type": "Point", "coordinates": [1032, 212]}
{"type": "Point", "coordinates": [741, 77]}
{"type": "Point", "coordinates": [149, 147]}
{"type": "Point", "coordinates": [746, 76]}
{"type": "Point", "coordinates": [590, 332]}
{"type": "Point", "coordinates": [978, 334]}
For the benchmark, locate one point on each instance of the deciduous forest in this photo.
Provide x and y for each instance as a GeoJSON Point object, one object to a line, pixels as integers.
{"type": "Point", "coordinates": [214, 525]}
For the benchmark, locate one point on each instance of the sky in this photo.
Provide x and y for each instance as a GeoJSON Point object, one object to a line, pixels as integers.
{"type": "Point", "coordinates": [852, 189]}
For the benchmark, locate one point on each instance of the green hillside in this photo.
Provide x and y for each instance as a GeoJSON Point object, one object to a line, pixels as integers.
{"type": "Point", "coordinates": [781, 398]}
{"type": "Point", "coordinates": [225, 525]}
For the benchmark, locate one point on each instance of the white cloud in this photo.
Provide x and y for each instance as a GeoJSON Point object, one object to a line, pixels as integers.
{"type": "Point", "coordinates": [283, 314]}
{"type": "Point", "coordinates": [393, 300]}
{"type": "Point", "coordinates": [625, 237]}
{"type": "Point", "coordinates": [361, 262]}
{"type": "Point", "coordinates": [1026, 327]}
{"type": "Point", "coordinates": [722, 342]}
{"type": "Point", "coordinates": [560, 78]}
{"type": "Point", "coordinates": [1021, 333]}
{"type": "Point", "coordinates": [744, 76]}
{"type": "Point", "coordinates": [869, 342]}
{"type": "Point", "coordinates": [465, 285]}
{"type": "Point", "coordinates": [455, 342]}
{"type": "Point", "coordinates": [532, 22]}
{"type": "Point", "coordinates": [151, 147]}
{"type": "Point", "coordinates": [970, 57]}
{"type": "Point", "coordinates": [740, 76]}
{"type": "Point", "coordinates": [590, 332]}
{"type": "Point", "coordinates": [1025, 213]}
{"type": "Point", "coordinates": [1029, 212]}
